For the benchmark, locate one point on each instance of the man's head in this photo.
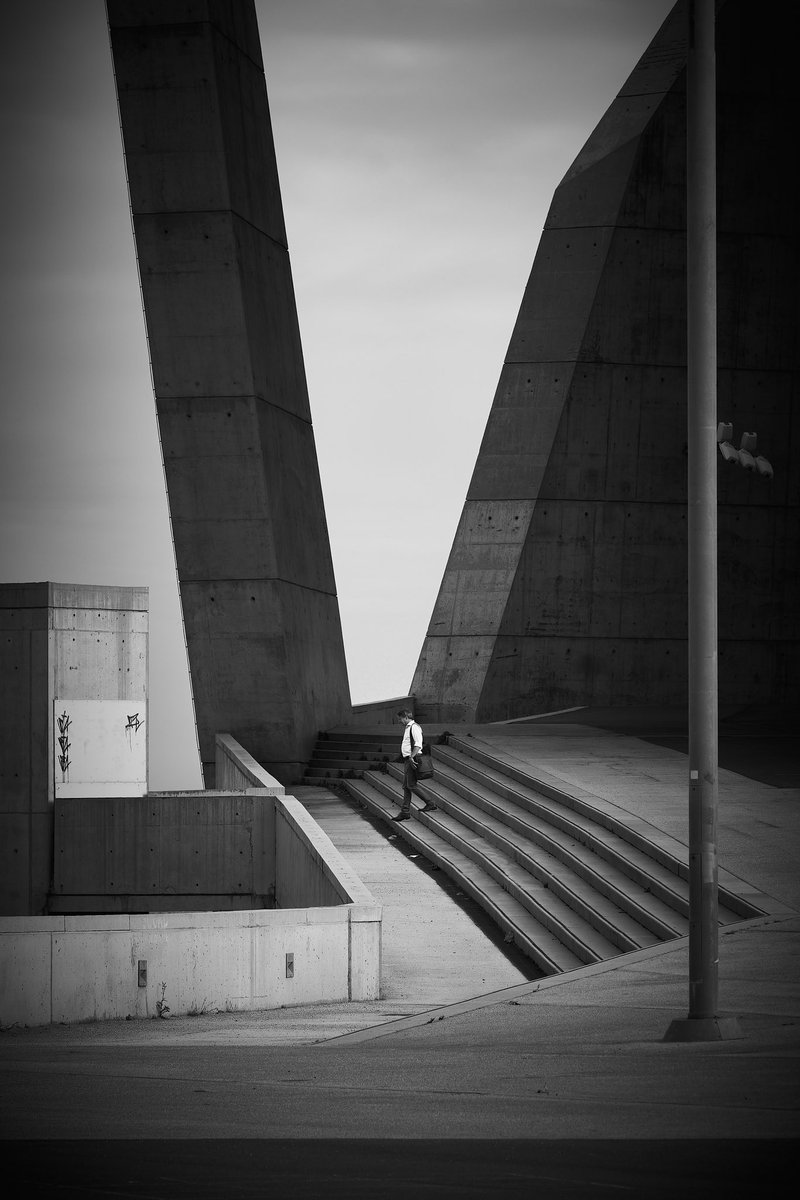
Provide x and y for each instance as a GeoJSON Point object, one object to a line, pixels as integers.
{"type": "Point", "coordinates": [405, 716]}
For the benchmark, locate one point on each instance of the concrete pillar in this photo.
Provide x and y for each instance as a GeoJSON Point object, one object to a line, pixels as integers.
{"type": "Point", "coordinates": [73, 666]}
{"type": "Point", "coordinates": [254, 566]}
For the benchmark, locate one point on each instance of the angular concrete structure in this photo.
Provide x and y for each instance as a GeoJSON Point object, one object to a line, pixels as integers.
{"type": "Point", "coordinates": [256, 579]}
{"type": "Point", "coordinates": [567, 581]}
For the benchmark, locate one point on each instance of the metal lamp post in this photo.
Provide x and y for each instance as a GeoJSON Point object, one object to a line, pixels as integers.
{"type": "Point", "coordinates": [703, 1022]}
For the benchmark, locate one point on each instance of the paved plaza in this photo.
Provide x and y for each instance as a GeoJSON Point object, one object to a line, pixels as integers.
{"type": "Point", "coordinates": [468, 1078]}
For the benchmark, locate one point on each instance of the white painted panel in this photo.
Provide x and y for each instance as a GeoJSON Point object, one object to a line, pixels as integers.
{"type": "Point", "coordinates": [100, 747]}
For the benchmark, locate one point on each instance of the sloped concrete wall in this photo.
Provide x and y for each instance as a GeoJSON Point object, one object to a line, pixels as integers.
{"type": "Point", "coordinates": [254, 565]}
{"type": "Point", "coordinates": [237, 770]}
{"type": "Point", "coordinates": [567, 580]}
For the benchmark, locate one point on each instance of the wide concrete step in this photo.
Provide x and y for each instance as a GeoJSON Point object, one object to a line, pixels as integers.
{"type": "Point", "coordinates": [351, 754]}
{"type": "Point", "coordinates": [626, 915]}
{"type": "Point", "coordinates": [586, 941]}
{"type": "Point", "coordinates": [599, 877]}
{"type": "Point", "coordinates": [326, 771]}
{"type": "Point", "coordinates": [567, 876]}
{"type": "Point", "coordinates": [390, 736]}
{"type": "Point", "coordinates": [376, 752]}
{"type": "Point", "coordinates": [337, 757]}
{"type": "Point", "coordinates": [581, 826]}
{"type": "Point", "coordinates": [626, 853]}
{"type": "Point", "coordinates": [345, 764]}
{"type": "Point", "coordinates": [550, 954]}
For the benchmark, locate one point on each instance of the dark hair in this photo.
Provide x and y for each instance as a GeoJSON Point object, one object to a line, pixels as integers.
{"type": "Point", "coordinates": [405, 712]}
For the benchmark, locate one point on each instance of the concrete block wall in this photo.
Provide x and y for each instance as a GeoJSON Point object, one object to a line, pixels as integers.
{"type": "Point", "coordinates": [67, 969]}
{"type": "Point", "coordinates": [65, 646]}
{"type": "Point", "coordinates": [79, 968]}
{"type": "Point", "coordinates": [169, 851]}
{"type": "Point", "coordinates": [193, 851]}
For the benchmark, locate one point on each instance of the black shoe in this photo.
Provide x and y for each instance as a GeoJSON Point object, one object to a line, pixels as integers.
{"type": "Point", "coordinates": [429, 808]}
{"type": "Point", "coordinates": [402, 817]}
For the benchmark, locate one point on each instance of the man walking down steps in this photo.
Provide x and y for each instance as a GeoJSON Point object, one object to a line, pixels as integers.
{"type": "Point", "coordinates": [411, 748]}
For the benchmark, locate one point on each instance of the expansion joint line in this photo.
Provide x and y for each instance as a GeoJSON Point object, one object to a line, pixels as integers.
{"type": "Point", "coordinates": [244, 396]}
{"type": "Point", "coordinates": [306, 587]}
{"type": "Point", "coordinates": [214, 212]}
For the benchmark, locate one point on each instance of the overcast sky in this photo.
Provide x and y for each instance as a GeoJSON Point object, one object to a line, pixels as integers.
{"type": "Point", "coordinates": [419, 143]}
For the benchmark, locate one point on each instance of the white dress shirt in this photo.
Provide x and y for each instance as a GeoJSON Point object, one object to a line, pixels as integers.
{"type": "Point", "coordinates": [406, 747]}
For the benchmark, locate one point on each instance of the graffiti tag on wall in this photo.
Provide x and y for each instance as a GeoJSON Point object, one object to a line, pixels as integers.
{"type": "Point", "coordinates": [64, 723]}
{"type": "Point", "coordinates": [133, 726]}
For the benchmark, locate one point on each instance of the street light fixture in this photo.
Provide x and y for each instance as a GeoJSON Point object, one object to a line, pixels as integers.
{"type": "Point", "coordinates": [746, 455]}
{"type": "Point", "coordinates": [703, 1022]}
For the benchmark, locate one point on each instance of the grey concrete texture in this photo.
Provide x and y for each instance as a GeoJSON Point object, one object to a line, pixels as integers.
{"type": "Point", "coordinates": [567, 580]}
{"type": "Point", "coordinates": [58, 641]}
{"type": "Point", "coordinates": [256, 580]}
{"type": "Point", "coordinates": [571, 1058]}
{"type": "Point", "coordinates": [140, 853]}
{"type": "Point", "coordinates": [433, 951]}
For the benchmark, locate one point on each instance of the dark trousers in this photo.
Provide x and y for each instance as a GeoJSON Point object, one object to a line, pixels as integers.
{"type": "Point", "coordinates": [409, 782]}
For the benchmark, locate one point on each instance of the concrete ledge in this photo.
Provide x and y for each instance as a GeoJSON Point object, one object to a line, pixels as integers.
{"type": "Point", "coordinates": [32, 924]}
{"type": "Point", "coordinates": [106, 921]}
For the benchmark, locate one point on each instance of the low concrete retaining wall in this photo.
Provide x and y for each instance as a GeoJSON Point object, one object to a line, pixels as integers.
{"type": "Point", "coordinates": [65, 969]}
{"type": "Point", "coordinates": [322, 944]}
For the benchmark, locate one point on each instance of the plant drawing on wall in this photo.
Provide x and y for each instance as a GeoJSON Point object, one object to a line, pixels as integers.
{"type": "Point", "coordinates": [64, 723]}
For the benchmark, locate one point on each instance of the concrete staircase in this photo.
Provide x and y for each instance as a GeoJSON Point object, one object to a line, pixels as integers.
{"type": "Point", "coordinates": [568, 881]}
{"type": "Point", "coordinates": [345, 755]}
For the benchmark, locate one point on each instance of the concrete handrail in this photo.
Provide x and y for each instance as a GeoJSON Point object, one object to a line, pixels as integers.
{"type": "Point", "coordinates": [236, 769]}
{"type": "Point", "coordinates": [336, 881]}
